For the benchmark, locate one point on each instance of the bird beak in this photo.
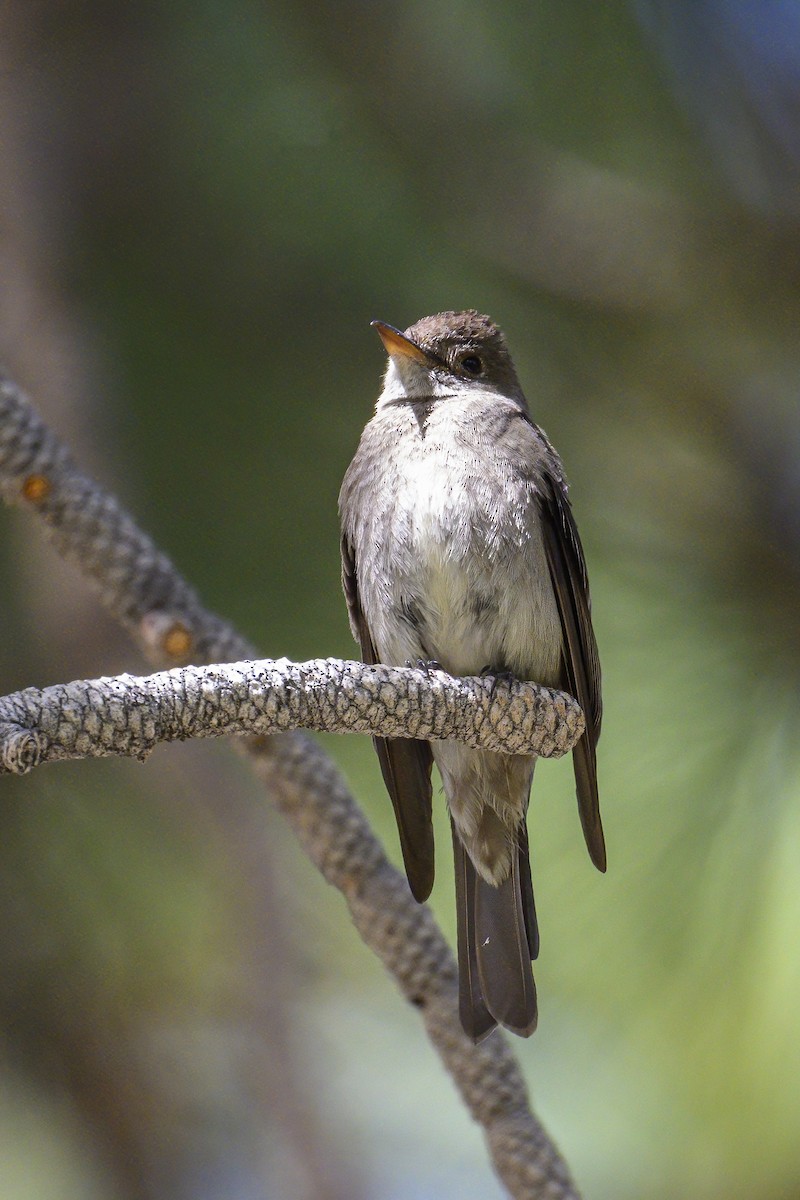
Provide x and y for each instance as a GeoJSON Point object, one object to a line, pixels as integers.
{"type": "Point", "coordinates": [399, 346]}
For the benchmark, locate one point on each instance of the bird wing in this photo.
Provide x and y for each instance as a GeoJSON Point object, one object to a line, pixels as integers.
{"type": "Point", "coordinates": [405, 763]}
{"type": "Point", "coordinates": [581, 660]}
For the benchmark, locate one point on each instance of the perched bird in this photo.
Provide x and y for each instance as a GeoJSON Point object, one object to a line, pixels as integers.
{"type": "Point", "coordinates": [459, 549]}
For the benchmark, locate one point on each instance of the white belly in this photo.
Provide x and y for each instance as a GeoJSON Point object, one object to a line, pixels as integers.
{"type": "Point", "coordinates": [468, 567]}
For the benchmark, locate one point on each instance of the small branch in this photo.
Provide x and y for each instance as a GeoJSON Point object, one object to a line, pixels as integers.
{"type": "Point", "coordinates": [142, 588]}
{"type": "Point", "coordinates": [135, 581]}
{"type": "Point", "coordinates": [131, 714]}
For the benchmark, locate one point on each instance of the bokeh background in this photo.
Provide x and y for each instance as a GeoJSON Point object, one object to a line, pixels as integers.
{"type": "Point", "coordinates": [202, 205]}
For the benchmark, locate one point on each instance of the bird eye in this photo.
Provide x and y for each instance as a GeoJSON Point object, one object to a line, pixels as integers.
{"type": "Point", "coordinates": [472, 364]}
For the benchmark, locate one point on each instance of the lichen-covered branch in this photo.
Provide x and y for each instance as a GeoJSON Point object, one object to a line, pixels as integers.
{"type": "Point", "coordinates": [135, 581]}
{"type": "Point", "coordinates": [130, 715]}
{"type": "Point", "coordinates": [143, 589]}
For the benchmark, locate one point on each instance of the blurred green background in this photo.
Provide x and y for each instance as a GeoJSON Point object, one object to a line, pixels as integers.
{"type": "Point", "coordinates": [201, 208]}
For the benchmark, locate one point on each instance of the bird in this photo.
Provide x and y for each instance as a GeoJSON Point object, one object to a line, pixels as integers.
{"type": "Point", "coordinates": [460, 552]}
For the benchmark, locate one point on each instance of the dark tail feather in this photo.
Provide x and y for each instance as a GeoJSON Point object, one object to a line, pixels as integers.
{"type": "Point", "coordinates": [504, 956]}
{"type": "Point", "coordinates": [497, 936]}
{"type": "Point", "coordinates": [476, 1020]}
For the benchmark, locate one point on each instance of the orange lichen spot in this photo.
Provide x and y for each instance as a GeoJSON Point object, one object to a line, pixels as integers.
{"type": "Point", "coordinates": [35, 488]}
{"type": "Point", "coordinates": [177, 641]}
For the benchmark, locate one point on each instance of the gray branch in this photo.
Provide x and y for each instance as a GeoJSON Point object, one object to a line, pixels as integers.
{"type": "Point", "coordinates": [142, 588]}
{"type": "Point", "coordinates": [131, 714]}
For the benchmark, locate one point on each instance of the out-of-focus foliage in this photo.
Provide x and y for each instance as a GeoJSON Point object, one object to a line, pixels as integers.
{"type": "Point", "coordinates": [203, 206]}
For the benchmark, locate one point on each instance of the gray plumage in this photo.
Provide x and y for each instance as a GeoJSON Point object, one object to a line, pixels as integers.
{"type": "Point", "coordinates": [459, 547]}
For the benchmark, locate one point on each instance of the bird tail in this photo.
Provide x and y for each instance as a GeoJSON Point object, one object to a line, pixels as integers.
{"type": "Point", "coordinates": [497, 939]}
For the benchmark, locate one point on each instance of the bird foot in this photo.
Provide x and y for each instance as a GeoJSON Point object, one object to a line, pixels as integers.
{"type": "Point", "coordinates": [425, 664]}
{"type": "Point", "coordinates": [498, 677]}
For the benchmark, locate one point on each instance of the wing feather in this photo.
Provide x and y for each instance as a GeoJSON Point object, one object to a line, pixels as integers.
{"type": "Point", "coordinates": [581, 660]}
{"type": "Point", "coordinates": [405, 763]}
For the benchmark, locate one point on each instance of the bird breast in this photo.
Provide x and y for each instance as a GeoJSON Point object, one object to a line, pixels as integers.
{"type": "Point", "coordinates": [456, 539]}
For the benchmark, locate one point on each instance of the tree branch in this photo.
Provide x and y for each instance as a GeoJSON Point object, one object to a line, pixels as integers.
{"type": "Point", "coordinates": [131, 714]}
{"type": "Point", "coordinates": [142, 588]}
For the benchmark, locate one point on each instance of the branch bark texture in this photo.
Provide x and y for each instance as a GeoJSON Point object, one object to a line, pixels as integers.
{"type": "Point", "coordinates": [142, 588]}
{"type": "Point", "coordinates": [130, 715]}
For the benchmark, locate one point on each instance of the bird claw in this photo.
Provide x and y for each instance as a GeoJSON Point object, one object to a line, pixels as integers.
{"type": "Point", "coordinates": [498, 677]}
{"type": "Point", "coordinates": [425, 664]}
